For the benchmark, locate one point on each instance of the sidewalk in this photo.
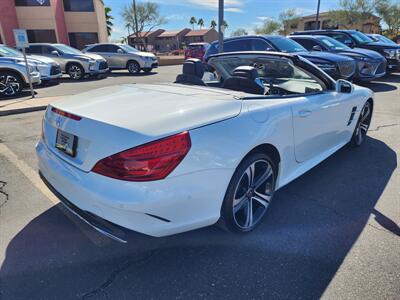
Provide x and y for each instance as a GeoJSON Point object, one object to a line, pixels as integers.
{"type": "Point", "coordinates": [24, 105]}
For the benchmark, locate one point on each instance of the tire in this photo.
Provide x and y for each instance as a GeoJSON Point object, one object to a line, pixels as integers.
{"type": "Point", "coordinates": [10, 84]}
{"type": "Point", "coordinates": [133, 67]}
{"type": "Point", "coordinates": [360, 132]}
{"type": "Point", "coordinates": [147, 70]}
{"type": "Point", "coordinates": [75, 71]}
{"type": "Point", "coordinates": [243, 196]}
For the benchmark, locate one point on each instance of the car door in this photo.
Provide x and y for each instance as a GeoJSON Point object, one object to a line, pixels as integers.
{"type": "Point", "coordinates": [101, 50]}
{"type": "Point", "coordinates": [49, 51]}
{"type": "Point", "coordinates": [117, 57]}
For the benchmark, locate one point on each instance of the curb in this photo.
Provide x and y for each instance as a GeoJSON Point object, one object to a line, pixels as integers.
{"type": "Point", "coordinates": [21, 110]}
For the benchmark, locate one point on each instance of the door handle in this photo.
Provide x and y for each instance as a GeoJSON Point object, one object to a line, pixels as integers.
{"type": "Point", "coordinates": [304, 113]}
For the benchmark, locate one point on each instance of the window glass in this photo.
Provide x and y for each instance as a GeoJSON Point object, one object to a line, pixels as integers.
{"type": "Point", "coordinates": [307, 43]}
{"type": "Point", "coordinates": [78, 5]}
{"type": "Point", "coordinates": [78, 40]}
{"type": "Point", "coordinates": [343, 38]}
{"type": "Point", "coordinates": [99, 48]}
{"type": "Point", "coordinates": [32, 2]}
{"type": "Point", "coordinates": [42, 36]}
{"type": "Point", "coordinates": [332, 43]}
{"type": "Point", "coordinates": [286, 45]}
{"type": "Point", "coordinates": [67, 49]}
{"type": "Point", "coordinates": [238, 45]}
{"type": "Point", "coordinates": [9, 52]}
{"type": "Point", "coordinates": [361, 37]}
{"type": "Point", "coordinates": [48, 49]}
{"type": "Point", "coordinates": [261, 45]}
{"type": "Point", "coordinates": [34, 49]}
{"type": "Point", "coordinates": [128, 48]}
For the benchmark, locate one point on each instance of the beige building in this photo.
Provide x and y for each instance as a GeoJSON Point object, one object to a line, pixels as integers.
{"type": "Point", "coordinates": [201, 35]}
{"type": "Point", "coordinates": [308, 23]}
{"type": "Point", "coordinates": [73, 22]}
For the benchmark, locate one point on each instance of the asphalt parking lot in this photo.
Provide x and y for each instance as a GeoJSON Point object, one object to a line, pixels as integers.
{"type": "Point", "coordinates": [333, 233]}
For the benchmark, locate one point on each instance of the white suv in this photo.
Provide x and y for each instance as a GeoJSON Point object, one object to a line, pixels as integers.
{"type": "Point", "coordinates": [121, 56]}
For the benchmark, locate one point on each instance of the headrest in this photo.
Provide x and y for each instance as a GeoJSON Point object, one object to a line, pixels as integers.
{"type": "Point", "coordinates": [248, 72]}
{"type": "Point", "coordinates": [194, 67]}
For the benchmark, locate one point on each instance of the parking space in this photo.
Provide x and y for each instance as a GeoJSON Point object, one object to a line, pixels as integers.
{"type": "Point", "coordinates": [334, 232]}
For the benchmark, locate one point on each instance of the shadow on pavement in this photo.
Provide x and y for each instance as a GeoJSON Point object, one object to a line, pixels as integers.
{"type": "Point", "coordinates": [294, 253]}
{"type": "Point", "coordinates": [127, 74]}
{"type": "Point", "coordinates": [378, 86]}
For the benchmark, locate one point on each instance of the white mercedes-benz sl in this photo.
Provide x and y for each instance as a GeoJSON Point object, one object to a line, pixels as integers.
{"type": "Point", "coordinates": [166, 158]}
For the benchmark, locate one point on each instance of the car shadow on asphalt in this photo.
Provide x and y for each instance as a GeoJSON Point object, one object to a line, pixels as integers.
{"type": "Point", "coordinates": [295, 253]}
{"type": "Point", "coordinates": [127, 74]}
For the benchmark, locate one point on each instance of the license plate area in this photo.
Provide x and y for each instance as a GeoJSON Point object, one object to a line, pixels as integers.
{"type": "Point", "coordinates": [66, 142]}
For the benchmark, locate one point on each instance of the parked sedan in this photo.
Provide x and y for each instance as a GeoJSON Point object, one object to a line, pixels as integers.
{"type": "Point", "coordinates": [337, 66]}
{"type": "Point", "coordinates": [47, 67]}
{"type": "Point", "coordinates": [370, 64]}
{"type": "Point", "coordinates": [191, 155]}
{"type": "Point", "coordinates": [72, 61]}
{"type": "Point", "coordinates": [121, 56]}
{"type": "Point", "coordinates": [14, 77]}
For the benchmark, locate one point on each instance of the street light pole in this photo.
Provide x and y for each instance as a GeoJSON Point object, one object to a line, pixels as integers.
{"type": "Point", "coordinates": [317, 16]}
{"type": "Point", "coordinates": [220, 26]}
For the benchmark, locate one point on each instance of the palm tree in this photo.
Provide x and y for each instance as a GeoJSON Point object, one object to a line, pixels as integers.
{"type": "Point", "coordinates": [193, 21]}
{"type": "Point", "coordinates": [109, 23]}
{"type": "Point", "coordinates": [213, 24]}
{"type": "Point", "coordinates": [128, 26]}
{"type": "Point", "coordinates": [200, 22]}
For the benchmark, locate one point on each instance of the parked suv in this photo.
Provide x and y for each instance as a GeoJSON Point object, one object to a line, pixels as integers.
{"type": "Point", "coordinates": [72, 61]}
{"type": "Point", "coordinates": [121, 56]}
{"type": "Point", "coordinates": [337, 66]}
{"type": "Point", "coordinates": [357, 39]}
{"type": "Point", "coordinates": [370, 64]}
{"type": "Point", "coordinates": [381, 38]}
{"type": "Point", "coordinates": [13, 76]}
{"type": "Point", "coordinates": [47, 67]}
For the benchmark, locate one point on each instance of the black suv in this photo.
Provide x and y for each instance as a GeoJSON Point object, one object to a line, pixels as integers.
{"type": "Point", "coordinates": [337, 66]}
{"type": "Point", "coordinates": [370, 64]}
{"type": "Point", "coordinates": [357, 39]}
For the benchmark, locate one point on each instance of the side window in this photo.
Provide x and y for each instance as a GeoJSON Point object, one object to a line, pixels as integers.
{"type": "Point", "coordinates": [261, 45]}
{"type": "Point", "coordinates": [48, 50]}
{"type": "Point", "coordinates": [343, 38]}
{"type": "Point", "coordinates": [307, 43]}
{"type": "Point", "coordinates": [238, 45]}
{"type": "Point", "coordinates": [113, 48]}
{"type": "Point", "coordinates": [34, 49]}
{"type": "Point", "coordinates": [99, 48]}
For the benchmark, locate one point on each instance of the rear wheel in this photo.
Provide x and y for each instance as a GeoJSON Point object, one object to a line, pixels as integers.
{"type": "Point", "coordinates": [10, 84]}
{"type": "Point", "coordinates": [75, 71]}
{"type": "Point", "coordinates": [249, 193]}
{"type": "Point", "coordinates": [360, 132]}
{"type": "Point", "coordinates": [133, 67]}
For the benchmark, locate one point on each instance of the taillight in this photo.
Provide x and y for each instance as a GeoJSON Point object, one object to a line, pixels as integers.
{"type": "Point", "coordinates": [148, 162]}
{"type": "Point", "coordinates": [65, 114]}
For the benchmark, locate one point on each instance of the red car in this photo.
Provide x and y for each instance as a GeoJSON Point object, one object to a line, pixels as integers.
{"type": "Point", "coordinates": [196, 50]}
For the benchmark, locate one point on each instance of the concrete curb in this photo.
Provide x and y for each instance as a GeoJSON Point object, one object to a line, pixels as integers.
{"type": "Point", "coordinates": [21, 110]}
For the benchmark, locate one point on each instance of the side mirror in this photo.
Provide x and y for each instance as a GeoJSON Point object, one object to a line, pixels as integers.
{"type": "Point", "coordinates": [120, 51]}
{"type": "Point", "coordinates": [55, 53]}
{"type": "Point", "coordinates": [344, 86]}
{"type": "Point", "coordinates": [317, 48]}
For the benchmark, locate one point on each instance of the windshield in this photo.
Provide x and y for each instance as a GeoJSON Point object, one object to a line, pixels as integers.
{"type": "Point", "coordinates": [128, 48]}
{"type": "Point", "coordinates": [361, 38]}
{"type": "Point", "coordinates": [7, 51]}
{"type": "Point", "coordinates": [67, 49]}
{"type": "Point", "coordinates": [333, 44]}
{"type": "Point", "coordinates": [385, 39]}
{"type": "Point", "coordinates": [287, 45]}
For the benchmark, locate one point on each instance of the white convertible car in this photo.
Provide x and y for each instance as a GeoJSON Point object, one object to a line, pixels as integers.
{"type": "Point", "coordinates": [166, 158]}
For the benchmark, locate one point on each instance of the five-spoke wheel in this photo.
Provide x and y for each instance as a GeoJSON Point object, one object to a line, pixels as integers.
{"type": "Point", "coordinates": [362, 126]}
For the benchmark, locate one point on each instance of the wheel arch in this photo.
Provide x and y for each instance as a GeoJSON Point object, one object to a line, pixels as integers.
{"type": "Point", "coordinates": [15, 72]}
{"type": "Point", "coordinates": [370, 100]}
{"type": "Point", "coordinates": [132, 60]}
{"type": "Point", "coordinates": [73, 63]}
{"type": "Point", "coordinates": [269, 149]}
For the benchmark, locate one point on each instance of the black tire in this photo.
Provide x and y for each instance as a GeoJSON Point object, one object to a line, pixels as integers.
{"type": "Point", "coordinates": [133, 67]}
{"type": "Point", "coordinates": [11, 84]}
{"type": "Point", "coordinates": [147, 70]}
{"type": "Point", "coordinates": [361, 130]}
{"type": "Point", "coordinates": [234, 212]}
{"type": "Point", "coordinates": [75, 71]}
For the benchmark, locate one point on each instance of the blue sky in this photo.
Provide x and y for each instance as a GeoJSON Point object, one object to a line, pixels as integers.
{"type": "Point", "coordinates": [238, 13]}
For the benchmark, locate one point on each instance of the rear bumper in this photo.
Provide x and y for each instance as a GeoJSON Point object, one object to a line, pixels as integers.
{"type": "Point", "coordinates": [157, 208]}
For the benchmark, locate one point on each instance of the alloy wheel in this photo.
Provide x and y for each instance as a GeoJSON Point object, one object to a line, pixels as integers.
{"type": "Point", "coordinates": [363, 124]}
{"type": "Point", "coordinates": [75, 72]}
{"type": "Point", "coordinates": [9, 85]}
{"type": "Point", "coordinates": [133, 68]}
{"type": "Point", "coordinates": [253, 194]}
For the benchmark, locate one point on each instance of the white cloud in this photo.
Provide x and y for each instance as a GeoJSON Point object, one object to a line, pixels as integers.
{"type": "Point", "coordinates": [234, 9]}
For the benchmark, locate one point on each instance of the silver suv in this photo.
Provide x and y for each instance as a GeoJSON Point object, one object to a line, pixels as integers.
{"type": "Point", "coordinates": [48, 68]}
{"type": "Point", "coordinates": [121, 56]}
{"type": "Point", "coordinates": [72, 61]}
{"type": "Point", "coordinates": [13, 76]}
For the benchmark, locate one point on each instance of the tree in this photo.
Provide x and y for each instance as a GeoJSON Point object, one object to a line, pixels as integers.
{"type": "Point", "coordinates": [109, 23]}
{"type": "Point", "coordinates": [225, 24]}
{"type": "Point", "coordinates": [193, 21]}
{"type": "Point", "coordinates": [239, 32]}
{"type": "Point", "coordinates": [352, 12]}
{"type": "Point", "coordinates": [289, 19]}
{"type": "Point", "coordinates": [200, 22]}
{"type": "Point", "coordinates": [213, 24]}
{"type": "Point", "coordinates": [143, 17]}
{"type": "Point", "coordinates": [390, 14]}
{"type": "Point", "coordinates": [268, 27]}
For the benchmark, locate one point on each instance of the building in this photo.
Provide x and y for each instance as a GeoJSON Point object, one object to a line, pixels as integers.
{"type": "Point", "coordinates": [72, 22]}
{"type": "Point", "coordinates": [202, 35]}
{"type": "Point", "coordinates": [165, 41]}
{"type": "Point", "coordinates": [308, 23]}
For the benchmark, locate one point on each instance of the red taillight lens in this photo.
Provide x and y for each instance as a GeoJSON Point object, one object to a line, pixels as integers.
{"type": "Point", "coordinates": [148, 162]}
{"type": "Point", "coordinates": [65, 114]}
